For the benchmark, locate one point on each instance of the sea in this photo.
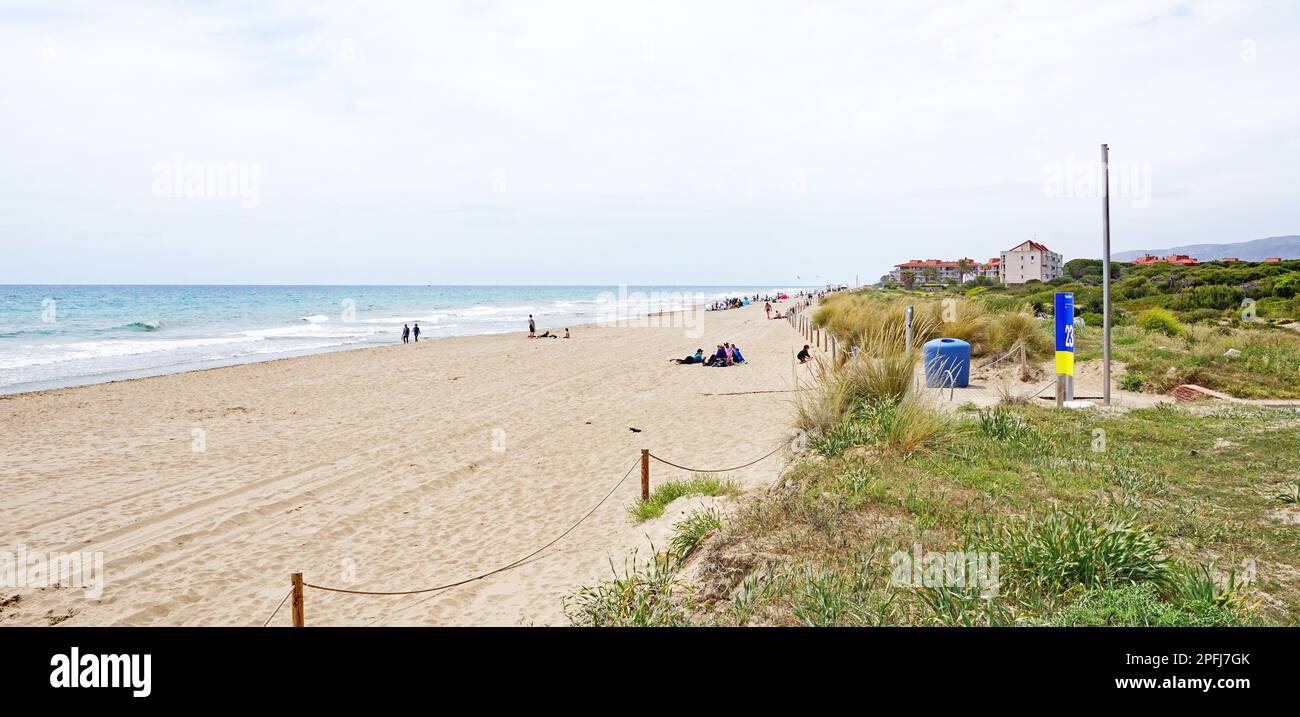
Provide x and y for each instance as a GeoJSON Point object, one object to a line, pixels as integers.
{"type": "Point", "coordinates": [57, 336]}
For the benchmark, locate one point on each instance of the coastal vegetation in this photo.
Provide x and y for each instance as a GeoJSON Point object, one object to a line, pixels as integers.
{"type": "Point", "coordinates": [1177, 521]}
{"type": "Point", "coordinates": [1163, 516]}
{"type": "Point", "coordinates": [1231, 327]}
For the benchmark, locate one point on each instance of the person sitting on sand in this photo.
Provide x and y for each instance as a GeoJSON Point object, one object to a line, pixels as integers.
{"type": "Point", "coordinates": [730, 353]}
{"type": "Point", "coordinates": [717, 358]}
{"type": "Point", "coordinates": [736, 355]}
{"type": "Point", "coordinates": [803, 355]}
{"type": "Point", "coordinates": [566, 334]}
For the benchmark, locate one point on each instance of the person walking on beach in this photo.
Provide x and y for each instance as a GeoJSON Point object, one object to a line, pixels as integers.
{"type": "Point", "coordinates": [416, 332]}
{"type": "Point", "coordinates": [406, 333]}
{"type": "Point", "coordinates": [767, 306]}
{"type": "Point", "coordinates": [532, 327]}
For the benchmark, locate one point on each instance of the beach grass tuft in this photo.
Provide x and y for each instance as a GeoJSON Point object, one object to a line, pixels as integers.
{"type": "Point", "coordinates": [705, 484]}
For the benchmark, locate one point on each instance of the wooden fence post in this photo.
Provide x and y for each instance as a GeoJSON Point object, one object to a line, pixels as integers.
{"type": "Point", "coordinates": [298, 620]}
{"type": "Point", "coordinates": [645, 474]}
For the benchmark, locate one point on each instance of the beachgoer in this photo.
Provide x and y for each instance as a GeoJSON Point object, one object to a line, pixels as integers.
{"type": "Point", "coordinates": [767, 306]}
{"type": "Point", "coordinates": [416, 332]}
{"type": "Point", "coordinates": [532, 327]}
{"type": "Point", "coordinates": [406, 333]}
{"type": "Point", "coordinates": [736, 355]}
{"type": "Point", "coordinates": [803, 355]}
{"type": "Point", "coordinates": [566, 334]}
{"type": "Point", "coordinates": [697, 357]}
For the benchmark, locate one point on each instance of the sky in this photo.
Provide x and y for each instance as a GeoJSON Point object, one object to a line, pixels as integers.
{"type": "Point", "coordinates": [618, 142]}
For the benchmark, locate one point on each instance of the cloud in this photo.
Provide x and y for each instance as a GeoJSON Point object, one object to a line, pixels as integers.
{"type": "Point", "coordinates": [850, 128]}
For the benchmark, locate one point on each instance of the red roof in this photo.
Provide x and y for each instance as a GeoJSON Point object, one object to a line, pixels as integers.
{"type": "Point", "coordinates": [1171, 259]}
{"type": "Point", "coordinates": [1273, 259]}
{"type": "Point", "coordinates": [918, 264]}
{"type": "Point", "coordinates": [1032, 245]}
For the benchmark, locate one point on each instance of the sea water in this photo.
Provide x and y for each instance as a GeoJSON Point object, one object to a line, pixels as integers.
{"type": "Point", "coordinates": [52, 336]}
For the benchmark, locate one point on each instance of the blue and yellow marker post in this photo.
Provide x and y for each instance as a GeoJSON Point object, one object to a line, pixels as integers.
{"type": "Point", "coordinates": [1064, 307]}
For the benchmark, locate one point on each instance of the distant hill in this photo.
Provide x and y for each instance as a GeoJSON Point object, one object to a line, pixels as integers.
{"type": "Point", "coordinates": [1287, 247]}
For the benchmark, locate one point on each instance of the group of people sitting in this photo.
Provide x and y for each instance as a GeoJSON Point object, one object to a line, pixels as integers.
{"type": "Point", "coordinates": [727, 354]}
{"type": "Point", "coordinates": [734, 303]}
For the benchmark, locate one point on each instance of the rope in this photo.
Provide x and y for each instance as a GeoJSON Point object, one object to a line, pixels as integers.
{"type": "Point", "coordinates": [746, 393]}
{"type": "Point", "coordinates": [277, 608]}
{"type": "Point", "coordinates": [490, 573]}
{"type": "Point", "coordinates": [719, 470]}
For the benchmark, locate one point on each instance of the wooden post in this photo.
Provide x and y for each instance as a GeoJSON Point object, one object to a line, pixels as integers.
{"type": "Point", "coordinates": [298, 620]}
{"type": "Point", "coordinates": [645, 474]}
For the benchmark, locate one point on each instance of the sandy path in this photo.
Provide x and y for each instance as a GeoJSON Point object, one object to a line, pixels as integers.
{"type": "Point", "coordinates": [381, 469]}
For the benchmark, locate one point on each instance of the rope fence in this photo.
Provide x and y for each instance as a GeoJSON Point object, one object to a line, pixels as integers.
{"type": "Point", "coordinates": [715, 470]}
{"type": "Point", "coordinates": [299, 586]}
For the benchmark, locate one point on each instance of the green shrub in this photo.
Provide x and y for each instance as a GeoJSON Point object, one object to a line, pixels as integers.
{"type": "Point", "coordinates": [1216, 297]}
{"type": "Point", "coordinates": [1054, 554]}
{"type": "Point", "coordinates": [1130, 382]}
{"type": "Point", "coordinates": [1160, 321]}
{"type": "Point", "coordinates": [1287, 286]}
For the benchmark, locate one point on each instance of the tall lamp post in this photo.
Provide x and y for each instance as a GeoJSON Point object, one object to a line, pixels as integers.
{"type": "Point", "coordinates": [1105, 272]}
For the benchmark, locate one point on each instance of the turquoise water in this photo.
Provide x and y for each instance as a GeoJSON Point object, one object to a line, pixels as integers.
{"type": "Point", "coordinates": [54, 336]}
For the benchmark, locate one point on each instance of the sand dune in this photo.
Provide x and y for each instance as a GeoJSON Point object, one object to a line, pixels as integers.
{"type": "Point", "coordinates": [381, 469]}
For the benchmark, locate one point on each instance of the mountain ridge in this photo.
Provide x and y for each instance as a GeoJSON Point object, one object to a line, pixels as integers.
{"type": "Point", "coordinates": [1286, 247]}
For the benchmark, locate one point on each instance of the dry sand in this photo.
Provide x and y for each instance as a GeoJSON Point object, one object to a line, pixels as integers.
{"type": "Point", "coordinates": [390, 468]}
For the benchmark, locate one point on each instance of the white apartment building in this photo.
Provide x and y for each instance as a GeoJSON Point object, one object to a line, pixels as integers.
{"type": "Point", "coordinates": [1029, 261]}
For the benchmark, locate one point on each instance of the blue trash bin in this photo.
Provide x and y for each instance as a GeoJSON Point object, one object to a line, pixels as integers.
{"type": "Point", "coordinates": [947, 363]}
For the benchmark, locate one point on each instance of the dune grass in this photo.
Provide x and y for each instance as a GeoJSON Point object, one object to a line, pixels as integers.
{"type": "Point", "coordinates": [1165, 516]}
{"type": "Point", "coordinates": [1155, 527]}
{"type": "Point", "coordinates": [704, 484]}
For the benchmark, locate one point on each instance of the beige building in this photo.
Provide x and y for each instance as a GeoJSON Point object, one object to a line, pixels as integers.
{"type": "Point", "coordinates": [1029, 261]}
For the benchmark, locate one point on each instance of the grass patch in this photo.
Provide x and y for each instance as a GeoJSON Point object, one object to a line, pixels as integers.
{"type": "Point", "coordinates": [1140, 605]}
{"type": "Point", "coordinates": [1142, 532]}
{"type": "Point", "coordinates": [705, 484]}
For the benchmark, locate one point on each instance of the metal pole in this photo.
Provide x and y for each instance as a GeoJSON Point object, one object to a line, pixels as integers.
{"type": "Point", "coordinates": [907, 330]}
{"type": "Point", "coordinates": [1105, 273]}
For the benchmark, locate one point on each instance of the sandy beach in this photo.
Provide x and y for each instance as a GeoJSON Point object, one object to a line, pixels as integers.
{"type": "Point", "coordinates": [382, 469]}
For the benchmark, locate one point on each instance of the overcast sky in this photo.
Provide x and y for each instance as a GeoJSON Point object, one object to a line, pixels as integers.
{"type": "Point", "coordinates": [607, 142]}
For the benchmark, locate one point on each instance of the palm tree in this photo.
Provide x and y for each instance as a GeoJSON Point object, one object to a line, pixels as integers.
{"type": "Point", "coordinates": [963, 268]}
{"type": "Point", "coordinates": [908, 278]}
{"type": "Point", "coordinates": [929, 273]}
